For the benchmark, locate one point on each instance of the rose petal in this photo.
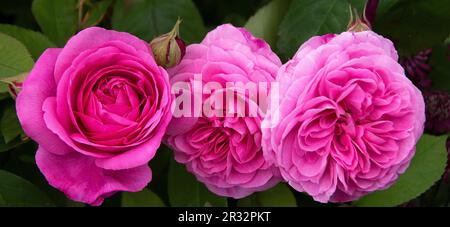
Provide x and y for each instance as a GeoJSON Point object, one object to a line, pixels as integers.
{"type": "Point", "coordinates": [81, 180]}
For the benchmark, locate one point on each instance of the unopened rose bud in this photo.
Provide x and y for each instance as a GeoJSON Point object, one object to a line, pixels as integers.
{"type": "Point", "coordinates": [169, 48]}
{"type": "Point", "coordinates": [14, 84]}
{"type": "Point", "coordinates": [358, 24]}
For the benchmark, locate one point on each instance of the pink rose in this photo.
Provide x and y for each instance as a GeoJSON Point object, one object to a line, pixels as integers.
{"type": "Point", "coordinates": [349, 118]}
{"type": "Point", "coordinates": [224, 152]}
{"type": "Point", "coordinates": [98, 108]}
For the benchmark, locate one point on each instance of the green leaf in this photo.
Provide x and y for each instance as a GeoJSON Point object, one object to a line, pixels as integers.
{"type": "Point", "coordinates": [16, 191]}
{"type": "Point", "coordinates": [148, 19]}
{"type": "Point", "coordinates": [144, 198]}
{"type": "Point", "coordinates": [186, 191]}
{"type": "Point", "coordinates": [8, 146]}
{"type": "Point", "coordinates": [35, 42]}
{"type": "Point", "coordinates": [160, 169]}
{"type": "Point", "coordinates": [425, 169]}
{"type": "Point", "coordinates": [14, 57]}
{"type": "Point", "coordinates": [415, 25]}
{"type": "Point", "coordinates": [9, 124]}
{"type": "Point", "coordinates": [384, 6]}
{"type": "Point", "coordinates": [307, 18]}
{"type": "Point", "coordinates": [57, 19]}
{"type": "Point", "coordinates": [278, 196]}
{"type": "Point", "coordinates": [3, 91]}
{"type": "Point", "coordinates": [358, 5]}
{"type": "Point", "coordinates": [440, 73]}
{"type": "Point", "coordinates": [249, 201]}
{"type": "Point", "coordinates": [264, 24]}
{"type": "Point", "coordinates": [96, 14]}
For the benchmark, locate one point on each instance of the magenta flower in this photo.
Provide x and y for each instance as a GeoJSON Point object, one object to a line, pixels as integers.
{"type": "Point", "coordinates": [349, 117]}
{"type": "Point", "coordinates": [98, 108]}
{"type": "Point", "coordinates": [224, 152]}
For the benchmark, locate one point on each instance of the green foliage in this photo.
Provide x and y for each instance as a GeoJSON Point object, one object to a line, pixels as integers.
{"type": "Point", "coordinates": [8, 146]}
{"type": "Point", "coordinates": [16, 191]}
{"type": "Point", "coordinates": [144, 198]}
{"type": "Point", "coordinates": [96, 13]}
{"type": "Point", "coordinates": [414, 25]}
{"type": "Point", "coordinates": [278, 196]}
{"type": "Point", "coordinates": [264, 24]}
{"type": "Point", "coordinates": [307, 18]}
{"type": "Point", "coordinates": [425, 169]}
{"type": "Point", "coordinates": [440, 73]}
{"type": "Point", "coordinates": [186, 191]}
{"type": "Point", "coordinates": [14, 57]}
{"type": "Point", "coordinates": [148, 19]}
{"type": "Point", "coordinates": [57, 19]}
{"type": "Point", "coordinates": [9, 124]}
{"type": "Point", "coordinates": [384, 6]}
{"type": "Point", "coordinates": [35, 42]}
{"type": "Point", "coordinates": [10, 130]}
{"type": "Point", "coordinates": [3, 91]}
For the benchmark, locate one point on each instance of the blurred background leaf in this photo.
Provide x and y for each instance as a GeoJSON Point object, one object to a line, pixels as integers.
{"type": "Point", "coordinates": [160, 171]}
{"type": "Point", "coordinates": [35, 42]}
{"type": "Point", "coordinates": [307, 18]}
{"type": "Point", "coordinates": [148, 19]}
{"type": "Point", "coordinates": [144, 198]}
{"type": "Point", "coordinates": [8, 146]}
{"type": "Point", "coordinates": [264, 24]}
{"type": "Point", "coordinates": [95, 13]}
{"type": "Point", "coordinates": [9, 124]}
{"type": "Point", "coordinates": [16, 191]}
{"type": "Point", "coordinates": [414, 25]}
{"type": "Point", "coordinates": [440, 63]}
{"type": "Point", "coordinates": [14, 57]}
{"type": "Point", "coordinates": [57, 19]}
{"type": "Point", "coordinates": [278, 196]}
{"type": "Point", "coordinates": [18, 12]}
{"type": "Point", "coordinates": [186, 191]}
{"type": "Point", "coordinates": [236, 12]}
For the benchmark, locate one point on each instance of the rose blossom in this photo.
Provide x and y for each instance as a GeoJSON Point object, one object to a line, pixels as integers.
{"type": "Point", "coordinates": [225, 152]}
{"type": "Point", "coordinates": [350, 118]}
{"type": "Point", "coordinates": [98, 108]}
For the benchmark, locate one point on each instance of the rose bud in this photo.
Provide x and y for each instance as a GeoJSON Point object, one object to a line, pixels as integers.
{"type": "Point", "coordinates": [14, 84]}
{"type": "Point", "coordinates": [357, 24]}
{"type": "Point", "coordinates": [169, 48]}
